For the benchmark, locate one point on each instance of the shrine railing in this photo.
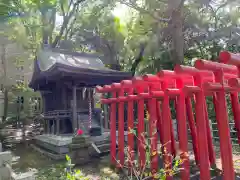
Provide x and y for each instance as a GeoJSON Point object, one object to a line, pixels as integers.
{"type": "Point", "coordinates": [184, 86]}
{"type": "Point", "coordinates": [57, 113]}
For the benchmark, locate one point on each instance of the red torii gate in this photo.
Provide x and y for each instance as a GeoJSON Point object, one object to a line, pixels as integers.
{"type": "Point", "coordinates": [205, 79]}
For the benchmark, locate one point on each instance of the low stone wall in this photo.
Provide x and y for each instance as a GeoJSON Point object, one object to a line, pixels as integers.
{"type": "Point", "coordinates": [6, 172]}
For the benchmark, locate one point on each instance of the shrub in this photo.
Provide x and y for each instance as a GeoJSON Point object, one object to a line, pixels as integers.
{"type": "Point", "coordinates": [73, 174]}
{"type": "Point", "coordinates": [145, 172]}
{"type": "Point", "coordinates": [62, 172]}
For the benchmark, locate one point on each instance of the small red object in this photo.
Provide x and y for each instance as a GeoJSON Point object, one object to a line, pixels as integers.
{"type": "Point", "coordinates": [79, 132]}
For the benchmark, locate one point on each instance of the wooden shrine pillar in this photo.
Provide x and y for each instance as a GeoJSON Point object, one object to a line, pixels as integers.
{"type": "Point", "coordinates": [53, 127]}
{"type": "Point", "coordinates": [48, 126]}
{"type": "Point", "coordinates": [45, 126]}
{"type": "Point", "coordinates": [43, 104]}
{"type": "Point", "coordinates": [74, 108]}
{"type": "Point", "coordinates": [64, 97]}
{"type": "Point", "coordinates": [106, 116]}
{"type": "Point", "coordinates": [58, 126]}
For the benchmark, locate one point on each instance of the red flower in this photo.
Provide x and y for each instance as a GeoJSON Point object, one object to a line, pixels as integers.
{"type": "Point", "coordinates": [79, 132]}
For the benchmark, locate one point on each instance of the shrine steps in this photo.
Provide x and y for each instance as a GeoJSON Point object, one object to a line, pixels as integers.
{"type": "Point", "coordinates": [100, 148]}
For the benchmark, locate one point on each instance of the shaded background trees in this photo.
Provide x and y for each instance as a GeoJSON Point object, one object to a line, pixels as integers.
{"type": "Point", "coordinates": [144, 37]}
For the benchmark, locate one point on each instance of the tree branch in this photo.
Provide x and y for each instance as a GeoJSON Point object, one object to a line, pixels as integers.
{"type": "Point", "coordinates": [139, 58]}
{"type": "Point", "coordinates": [66, 20]}
{"type": "Point", "coordinates": [70, 4]}
{"type": "Point", "coordinates": [181, 4]}
{"type": "Point", "coordinates": [225, 4]}
{"type": "Point", "coordinates": [68, 29]}
{"type": "Point", "coordinates": [52, 22]}
{"type": "Point", "coordinates": [62, 9]}
{"type": "Point", "coordinates": [142, 10]}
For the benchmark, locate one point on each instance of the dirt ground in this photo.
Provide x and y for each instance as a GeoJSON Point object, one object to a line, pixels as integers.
{"type": "Point", "coordinates": [97, 167]}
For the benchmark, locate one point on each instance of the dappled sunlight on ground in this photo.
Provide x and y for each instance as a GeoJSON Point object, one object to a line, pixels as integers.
{"type": "Point", "coordinates": [99, 168]}
{"type": "Point", "coordinates": [101, 173]}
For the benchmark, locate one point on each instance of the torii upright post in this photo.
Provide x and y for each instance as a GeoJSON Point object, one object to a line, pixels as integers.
{"type": "Point", "coordinates": [128, 85]}
{"type": "Point", "coordinates": [200, 118]}
{"type": "Point", "coordinates": [139, 85]}
{"type": "Point", "coordinates": [112, 102]}
{"type": "Point", "coordinates": [117, 87]}
{"type": "Point", "coordinates": [233, 59]}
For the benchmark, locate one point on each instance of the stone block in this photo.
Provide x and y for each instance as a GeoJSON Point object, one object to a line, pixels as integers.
{"type": "Point", "coordinates": [54, 139]}
{"type": "Point", "coordinates": [53, 148]}
{"type": "Point", "coordinates": [5, 173]}
{"type": "Point", "coordinates": [5, 157]}
{"type": "Point", "coordinates": [80, 139]}
{"type": "Point", "coordinates": [25, 176]}
{"type": "Point", "coordinates": [80, 157]}
{"type": "Point", "coordinates": [78, 146]}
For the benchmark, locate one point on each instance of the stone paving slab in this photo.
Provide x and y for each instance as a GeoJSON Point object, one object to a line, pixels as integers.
{"type": "Point", "coordinates": [25, 176]}
{"type": "Point", "coordinates": [5, 174]}
{"type": "Point", "coordinates": [5, 157]}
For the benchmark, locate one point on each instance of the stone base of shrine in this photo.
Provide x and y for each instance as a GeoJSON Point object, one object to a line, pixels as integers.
{"type": "Point", "coordinates": [47, 153]}
{"type": "Point", "coordinates": [53, 146]}
{"type": "Point", "coordinates": [57, 146]}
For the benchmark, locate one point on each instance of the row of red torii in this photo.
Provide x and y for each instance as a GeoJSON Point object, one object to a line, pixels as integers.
{"type": "Point", "coordinates": [184, 84]}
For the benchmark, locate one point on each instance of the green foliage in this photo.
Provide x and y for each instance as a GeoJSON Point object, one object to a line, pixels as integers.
{"type": "Point", "coordinates": [72, 174]}
{"type": "Point", "coordinates": [207, 29]}
{"type": "Point", "coordinates": [61, 172]}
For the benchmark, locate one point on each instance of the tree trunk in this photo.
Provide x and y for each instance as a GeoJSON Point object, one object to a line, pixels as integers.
{"type": "Point", "coordinates": [52, 22]}
{"type": "Point", "coordinates": [3, 58]}
{"type": "Point", "coordinates": [44, 28]}
{"type": "Point", "coordinates": [66, 20]}
{"type": "Point", "coordinates": [138, 59]}
{"type": "Point", "coordinates": [175, 8]}
{"type": "Point", "coordinates": [5, 112]}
